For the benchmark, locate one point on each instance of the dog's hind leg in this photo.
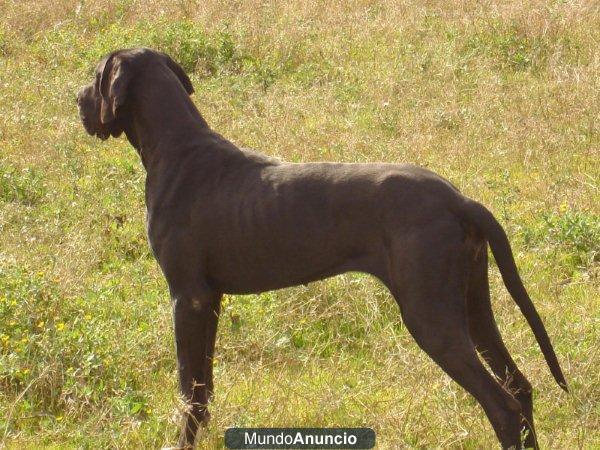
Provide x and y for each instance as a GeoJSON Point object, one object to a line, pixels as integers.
{"type": "Point", "coordinates": [488, 341]}
{"type": "Point", "coordinates": [430, 271]}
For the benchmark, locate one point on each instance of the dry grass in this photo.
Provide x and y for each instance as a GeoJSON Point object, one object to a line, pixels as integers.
{"type": "Point", "coordinates": [503, 99]}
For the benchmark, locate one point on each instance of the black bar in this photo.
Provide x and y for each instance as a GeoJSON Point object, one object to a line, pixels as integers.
{"type": "Point", "coordinates": [299, 438]}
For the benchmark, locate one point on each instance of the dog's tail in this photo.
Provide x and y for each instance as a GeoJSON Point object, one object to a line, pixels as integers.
{"type": "Point", "coordinates": [487, 224]}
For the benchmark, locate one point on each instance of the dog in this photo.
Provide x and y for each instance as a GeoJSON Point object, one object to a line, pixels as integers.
{"type": "Point", "coordinates": [221, 219]}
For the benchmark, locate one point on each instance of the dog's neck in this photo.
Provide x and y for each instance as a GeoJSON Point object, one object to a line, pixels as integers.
{"type": "Point", "coordinates": [161, 116]}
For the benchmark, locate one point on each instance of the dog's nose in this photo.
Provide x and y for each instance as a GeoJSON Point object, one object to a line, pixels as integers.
{"type": "Point", "coordinates": [80, 94]}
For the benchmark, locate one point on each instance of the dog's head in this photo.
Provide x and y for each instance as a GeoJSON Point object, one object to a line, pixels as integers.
{"type": "Point", "coordinates": [104, 103]}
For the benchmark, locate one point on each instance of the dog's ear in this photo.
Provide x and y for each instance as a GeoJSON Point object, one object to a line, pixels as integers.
{"type": "Point", "coordinates": [178, 70]}
{"type": "Point", "coordinates": [114, 82]}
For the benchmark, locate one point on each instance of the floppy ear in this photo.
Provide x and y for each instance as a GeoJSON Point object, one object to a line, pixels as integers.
{"type": "Point", "coordinates": [178, 70]}
{"type": "Point", "coordinates": [114, 83]}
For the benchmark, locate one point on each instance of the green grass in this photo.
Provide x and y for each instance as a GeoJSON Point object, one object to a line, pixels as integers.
{"type": "Point", "coordinates": [503, 100]}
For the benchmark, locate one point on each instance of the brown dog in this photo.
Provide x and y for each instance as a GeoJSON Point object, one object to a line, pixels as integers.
{"type": "Point", "coordinates": [226, 220]}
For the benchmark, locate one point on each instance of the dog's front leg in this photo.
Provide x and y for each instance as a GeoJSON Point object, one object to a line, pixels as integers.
{"type": "Point", "coordinates": [211, 338]}
{"type": "Point", "coordinates": [195, 316]}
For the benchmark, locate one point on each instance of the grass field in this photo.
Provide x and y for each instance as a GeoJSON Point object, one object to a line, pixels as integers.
{"type": "Point", "coordinates": [504, 100]}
